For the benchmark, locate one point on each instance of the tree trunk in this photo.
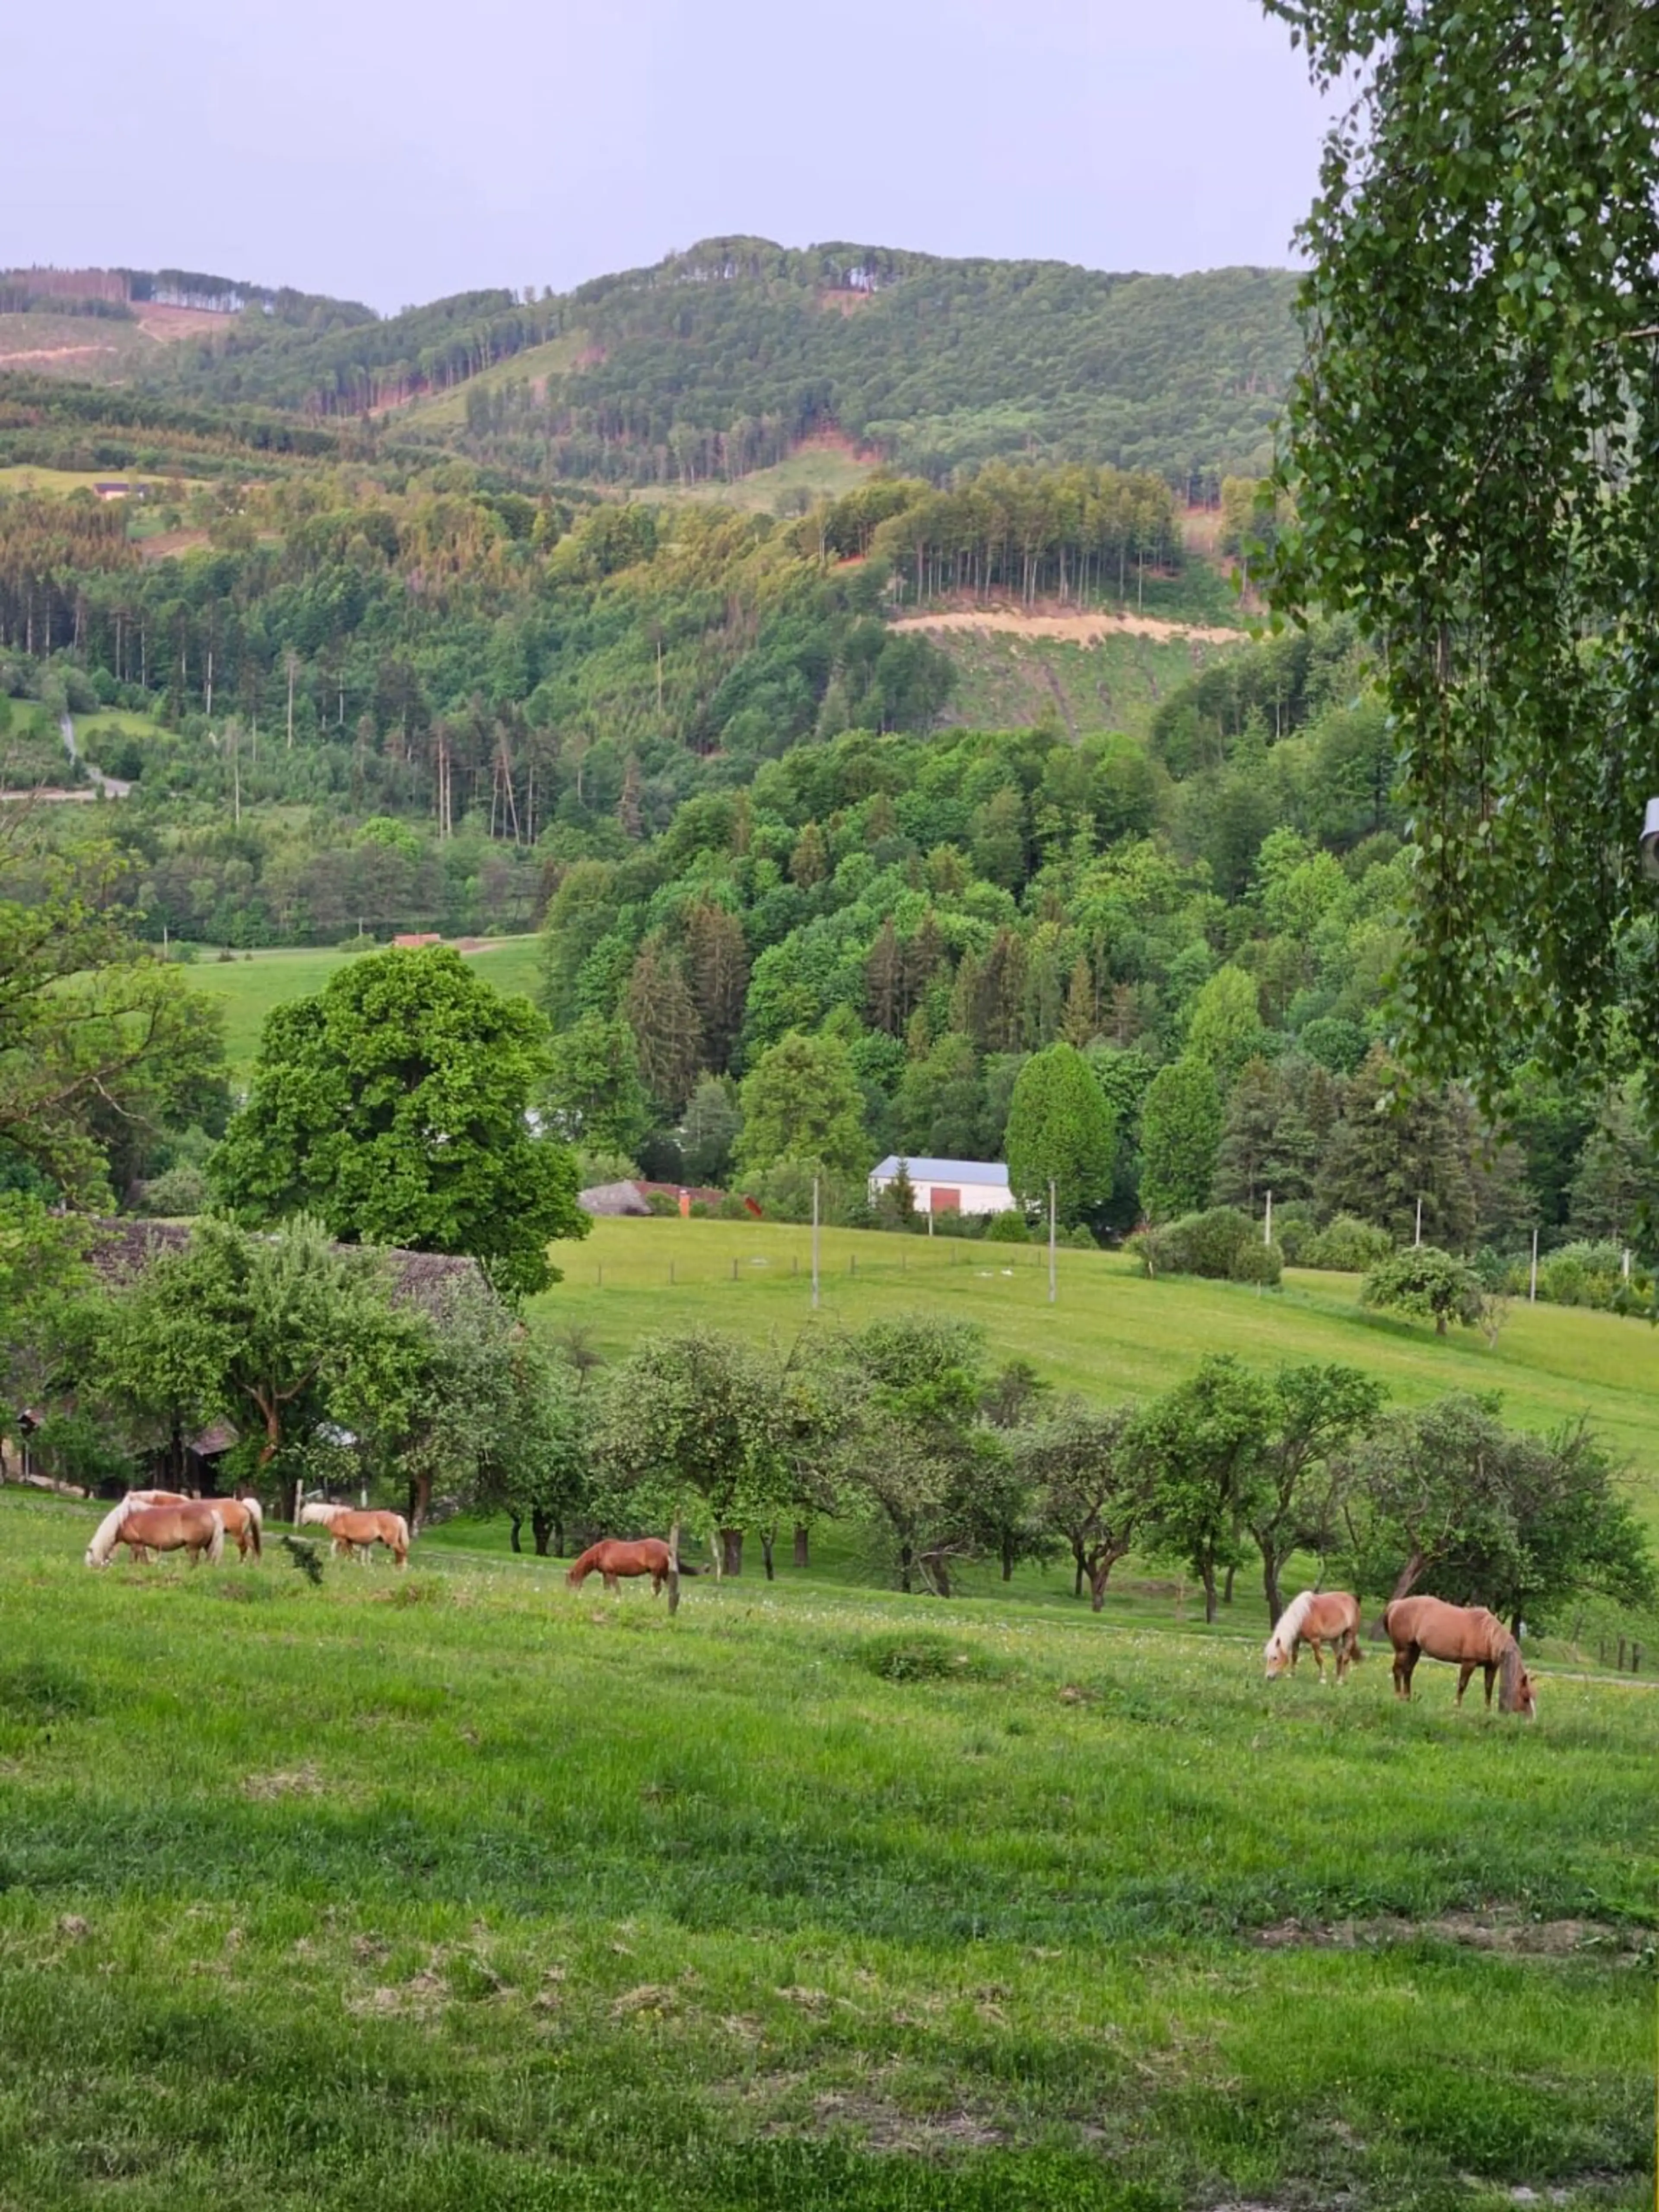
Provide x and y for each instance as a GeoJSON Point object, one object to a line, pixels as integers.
{"type": "Point", "coordinates": [516, 1522]}
{"type": "Point", "coordinates": [1210, 1607]}
{"type": "Point", "coordinates": [1227, 1587]}
{"type": "Point", "coordinates": [1008, 1557]}
{"type": "Point", "coordinates": [1270, 1588]}
{"type": "Point", "coordinates": [766, 1537]}
{"type": "Point", "coordinates": [674, 1568]}
{"type": "Point", "coordinates": [541, 1527]}
{"type": "Point", "coordinates": [1407, 1574]}
{"type": "Point", "coordinates": [801, 1538]}
{"type": "Point", "coordinates": [905, 1558]}
{"type": "Point", "coordinates": [420, 1502]}
{"type": "Point", "coordinates": [1079, 1559]}
{"type": "Point", "coordinates": [558, 1534]}
{"type": "Point", "coordinates": [732, 1551]}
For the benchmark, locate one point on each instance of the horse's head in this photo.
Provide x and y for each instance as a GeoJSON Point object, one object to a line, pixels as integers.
{"type": "Point", "coordinates": [1525, 1699]}
{"type": "Point", "coordinates": [1276, 1657]}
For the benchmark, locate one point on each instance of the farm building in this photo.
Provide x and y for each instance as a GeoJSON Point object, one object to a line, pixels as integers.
{"type": "Point", "coordinates": [948, 1186]}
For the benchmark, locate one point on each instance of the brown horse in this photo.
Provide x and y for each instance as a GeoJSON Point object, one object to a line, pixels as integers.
{"type": "Point", "coordinates": [353, 1530]}
{"type": "Point", "coordinates": [190, 1526]}
{"type": "Point", "coordinates": [242, 1516]}
{"type": "Point", "coordinates": [1466, 1635]}
{"type": "Point", "coordinates": [1315, 1618]}
{"type": "Point", "coordinates": [611, 1557]}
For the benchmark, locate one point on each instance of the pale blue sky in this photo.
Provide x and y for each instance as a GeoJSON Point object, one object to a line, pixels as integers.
{"type": "Point", "coordinates": [396, 153]}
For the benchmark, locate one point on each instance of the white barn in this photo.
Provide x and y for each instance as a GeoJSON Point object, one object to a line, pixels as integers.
{"type": "Point", "coordinates": [948, 1186]}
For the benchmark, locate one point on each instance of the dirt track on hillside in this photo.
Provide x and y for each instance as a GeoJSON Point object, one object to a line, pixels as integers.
{"type": "Point", "coordinates": [1071, 629]}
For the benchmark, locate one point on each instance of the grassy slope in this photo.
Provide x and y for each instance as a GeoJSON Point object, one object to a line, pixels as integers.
{"type": "Point", "coordinates": [1007, 683]}
{"type": "Point", "coordinates": [251, 987]}
{"type": "Point", "coordinates": [85, 348]}
{"type": "Point", "coordinates": [468, 1892]}
{"type": "Point", "coordinates": [1111, 1334]}
{"type": "Point", "coordinates": [447, 411]}
{"type": "Point", "coordinates": [822, 470]}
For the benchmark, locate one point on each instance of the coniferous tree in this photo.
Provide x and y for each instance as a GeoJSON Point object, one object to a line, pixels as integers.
{"type": "Point", "coordinates": [660, 1009]}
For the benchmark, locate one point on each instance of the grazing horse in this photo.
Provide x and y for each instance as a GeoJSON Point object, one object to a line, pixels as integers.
{"type": "Point", "coordinates": [1466, 1635]}
{"type": "Point", "coordinates": [244, 1517]}
{"type": "Point", "coordinates": [611, 1557]}
{"type": "Point", "coordinates": [1315, 1618]}
{"type": "Point", "coordinates": [143, 1527]}
{"type": "Point", "coordinates": [358, 1531]}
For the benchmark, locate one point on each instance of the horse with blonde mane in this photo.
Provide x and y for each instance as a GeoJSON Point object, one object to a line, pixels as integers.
{"type": "Point", "coordinates": [359, 1530]}
{"type": "Point", "coordinates": [611, 1557]}
{"type": "Point", "coordinates": [244, 1517]}
{"type": "Point", "coordinates": [1466, 1636]}
{"type": "Point", "coordinates": [1315, 1618]}
{"type": "Point", "coordinates": [143, 1527]}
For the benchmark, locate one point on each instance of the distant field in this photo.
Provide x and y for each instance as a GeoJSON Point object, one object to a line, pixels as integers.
{"type": "Point", "coordinates": [1112, 1334]}
{"type": "Point", "coordinates": [822, 471]}
{"type": "Point", "coordinates": [446, 409]}
{"type": "Point", "coordinates": [250, 987]}
{"type": "Point", "coordinates": [1008, 681]}
{"type": "Point", "coordinates": [85, 347]}
{"type": "Point", "coordinates": [459, 1892]}
{"type": "Point", "coordinates": [23, 476]}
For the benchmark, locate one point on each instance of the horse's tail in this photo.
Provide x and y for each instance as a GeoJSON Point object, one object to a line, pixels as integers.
{"type": "Point", "coordinates": [401, 1528]}
{"type": "Point", "coordinates": [107, 1534]}
{"type": "Point", "coordinates": [255, 1522]}
{"type": "Point", "coordinates": [215, 1550]}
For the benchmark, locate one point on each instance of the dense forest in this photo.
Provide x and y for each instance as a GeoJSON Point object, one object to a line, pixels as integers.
{"type": "Point", "coordinates": [719, 361]}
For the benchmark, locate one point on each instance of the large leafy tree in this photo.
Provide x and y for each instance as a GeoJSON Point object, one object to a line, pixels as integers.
{"type": "Point", "coordinates": [1205, 1444]}
{"type": "Point", "coordinates": [1061, 1130]}
{"type": "Point", "coordinates": [802, 1102]}
{"type": "Point", "coordinates": [101, 1045]}
{"type": "Point", "coordinates": [394, 1106]}
{"type": "Point", "coordinates": [1473, 449]}
{"type": "Point", "coordinates": [1319, 1413]}
{"type": "Point", "coordinates": [1091, 1484]}
{"type": "Point", "coordinates": [1181, 1126]}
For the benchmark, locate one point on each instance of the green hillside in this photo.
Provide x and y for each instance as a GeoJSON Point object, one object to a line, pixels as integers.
{"type": "Point", "coordinates": [719, 362]}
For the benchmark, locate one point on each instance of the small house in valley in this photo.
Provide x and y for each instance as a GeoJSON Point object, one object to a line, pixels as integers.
{"type": "Point", "coordinates": [948, 1186]}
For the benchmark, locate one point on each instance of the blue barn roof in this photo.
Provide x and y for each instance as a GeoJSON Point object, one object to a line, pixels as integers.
{"type": "Point", "coordinates": [987, 1171]}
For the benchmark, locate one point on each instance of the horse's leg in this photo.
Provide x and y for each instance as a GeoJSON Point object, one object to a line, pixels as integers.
{"type": "Point", "coordinates": [1342, 1656]}
{"type": "Point", "coordinates": [611, 1583]}
{"type": "Point", "coordinates": [1318, 1650]}
{"type": "Point", "coordinates": [1405, 1660]}
{"type": "Point", "coordinates": [1463, 1674]}
{"type": "Point", "coordinates": [1491, 1671]}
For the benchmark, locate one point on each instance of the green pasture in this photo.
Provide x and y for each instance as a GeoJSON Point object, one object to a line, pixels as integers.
{"type": "Point", "coordinates": [1111, 1333]}
{"type": "Point", "coordinates": [820, 471]}
{"type": "Point", "coordinates": [447, 411]}
{"type": "Point", "coordinates": [250, 987]}
{"type": "Point", "coordinates": [459, 1889]}
{"type": "Point", "coordinates": [1006, 681]}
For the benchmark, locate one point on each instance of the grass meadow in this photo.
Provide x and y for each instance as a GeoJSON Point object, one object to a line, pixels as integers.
{"type": "Point", "coordinates": [249, 988]}
{"type": "Point", "coordinates": [461, 1889]}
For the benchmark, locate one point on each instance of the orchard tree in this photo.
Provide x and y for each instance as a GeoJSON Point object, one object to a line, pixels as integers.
{"type": "Point", "coordinates": [1319, 1413]}
{"type": "Point", "coordinates": [909, 1393]}
{"type": "Point", "coordinates": [1204, 1443]}
{"type": "Point", "coordinates": [1473, 452]}
{"type": "Point", "coordinates": [1091, 1484]}
{"type": "Point", "coordinates": [538, 1466]}
{"type": "Point", "coordinates": [688, 1431]}
{"type": "Point", "coordinates": [1061, 1130]}
{"type": "Point", "coordinates": [394, 1105]}
{"type": "Point", "coordinates": [1181, 1126]}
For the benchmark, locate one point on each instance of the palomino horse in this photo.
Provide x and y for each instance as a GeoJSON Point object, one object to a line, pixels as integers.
{"type": "Point", "coordinates": [243, 1518]}
{"type": "Point", "coordinates": [1315, 1618]}
{"type": "Point", "coordinates": [189, 1526]}
{"type": "Point", "coordinates": [611, 1557]}
{"type": "Point", "coordinates": [357, 1531]}
{"type": "Point", "coordinates": [1466, 1635]}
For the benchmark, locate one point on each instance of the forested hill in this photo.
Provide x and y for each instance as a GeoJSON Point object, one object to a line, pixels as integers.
{"type": "Point", "coordinates": [719, 361]}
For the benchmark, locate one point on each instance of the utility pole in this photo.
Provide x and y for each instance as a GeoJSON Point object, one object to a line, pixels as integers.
{"type": "Point", "coordinates": [814, 1243]}
{"type": "Point", "coordinates": [1267, 1224]}
{"type": "Point", "coordinates": [1418, 1239]}
{"type": "Point", "coordinates": [1531, 1278]}
{"type": "Point", "coordinates": [1052, 1288]}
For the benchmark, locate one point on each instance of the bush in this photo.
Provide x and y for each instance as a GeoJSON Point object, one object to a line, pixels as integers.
{"type": "Point", "coordinates": [180, 1192]}
{"type": "Point", "coordinates": [1593, 1274]}
{"type": "Point", "coordinates": [1348, 1247]}
{"type": "Point", "coordinates": [1294, 1230]}
{"type": "Point", "coordinates": [1257, 1262]}
{"type": "Point", "coordinates": [960, 1225]}
{"type": "Point", "coordinates": [1208, 1244]}
{"type": "Point", "coordinates": [1077, 1240]}
{"type": "Point", "coordinates": [1008, 1227]}
{"type": "Point", "coordinates": [661, 1204]}
{"type": "Point", "coordinates": [593, 1167]}
{"type": "Point", "coordinates": [1428, 1284]}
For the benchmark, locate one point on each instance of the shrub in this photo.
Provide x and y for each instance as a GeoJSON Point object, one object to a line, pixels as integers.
{"type": "Point", "coordinates": [180, 1192]}
{"type": "Point", "coordinates": [1079, 1239]}
{"type": "Point", "coordinates": [1348, 1247]}
{"type": "Point", "coordinates": [1593, 1274]}
{"type": "Point", "coordinates": [1428, 1284]}
{"type": "Point", "coordinates": [1257, 1262]}
{"type": "Point", "coordinates": [1208, 1244]}
{"type": "Point", "coordinates": [1294, 1230]}
{"type": "Point", "coordinates": [924, 1655]}
{"type": "Point", "coordinates": [1008, 1227]}
{"type": "Point", "coordinates": [660, 1203]}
